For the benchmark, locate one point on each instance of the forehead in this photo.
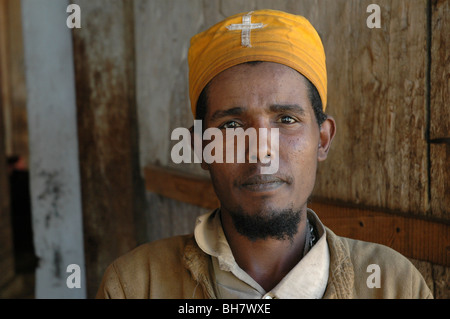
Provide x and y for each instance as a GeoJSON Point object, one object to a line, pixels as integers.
{"type": "Point", "coordinates": [258, 82]}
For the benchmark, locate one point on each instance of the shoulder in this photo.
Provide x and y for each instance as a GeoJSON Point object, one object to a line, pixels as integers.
{"type": "Point", "coordinates": [382, 272]}
{"type": "Point", "coordinates": [132, 274]}
{"type": "Point", "coordinates": [159, 250]}
{"type": "Point", "coordinates": [363, 254]}
{"type": "Point", "coordinates": [154, 256]}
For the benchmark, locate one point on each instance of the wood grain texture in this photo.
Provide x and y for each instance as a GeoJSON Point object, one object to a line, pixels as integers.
{"type": "Point", "coordinates": [377, 96]}
{"type": "Point", "coordinates": [440, 180]}
{"type": "Point", "coordinates": [109, 168]}
{"type": "Point", "coordinates": [170, 217]}
{"type": "Point", "coordinates": [6, 238]}
{"type": "Point", "coordinates": [414, 237]}
{"type": "Point", "coordinates": [181, 186]}
{"type": "Point", "coordinates": [440, 70]}
{"type": "Point", "coordinates": [441, 284]}
{"type": "Point", "coordinates": [19, 123]}
{"type": "Point", "coordinates": [5, 75]}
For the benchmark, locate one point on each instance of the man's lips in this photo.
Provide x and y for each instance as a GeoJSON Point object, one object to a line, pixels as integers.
{"type": "Point", "coordinates": [262, 182]}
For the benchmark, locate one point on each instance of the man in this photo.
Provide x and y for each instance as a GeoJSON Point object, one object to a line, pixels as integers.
{"type": "Point", "coordinates": [263, 70]}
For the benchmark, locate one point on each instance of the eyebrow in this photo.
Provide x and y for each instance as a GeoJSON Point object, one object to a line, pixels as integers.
{"type": "Point", "coordinates": [274, 108]}
{"type": "Point", "coordinates": [279, 108]}
{"type": "Point", "coordinates": [229, 112]}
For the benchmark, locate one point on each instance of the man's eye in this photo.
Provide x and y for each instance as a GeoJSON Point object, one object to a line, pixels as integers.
{"type": "Point", "coordinates": [287, 119]}
{"type": "Point", "coordinates": [230, 124]}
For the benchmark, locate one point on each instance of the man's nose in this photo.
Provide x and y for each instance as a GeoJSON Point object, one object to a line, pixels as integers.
{"type": "Point", "coordinates": [264, 148]}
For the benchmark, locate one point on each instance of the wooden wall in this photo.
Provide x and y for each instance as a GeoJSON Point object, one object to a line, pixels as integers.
{"type": "Point", "coordinates": [13, 79]}
{"type": "Point", "coordinates": [7, 262]}
{"type": "Point", "coordinates": [112, 190]}
{"type": "Point", "coordinates": [439, 110]}
{"type": "Point", "coordinates": [6, 243]}
{"type": "Point", "coordinates": [378, 97]}
{"type": "Point", "coordinates": [387, 175]}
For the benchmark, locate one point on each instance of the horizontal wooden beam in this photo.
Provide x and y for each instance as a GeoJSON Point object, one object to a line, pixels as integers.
{"type": "Point", "coordinates": [413, 237]}
{"type": "Point", "coordinates": [181, 186]}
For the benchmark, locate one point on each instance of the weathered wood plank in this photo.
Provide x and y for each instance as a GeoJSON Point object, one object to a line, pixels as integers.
{"type": "Point", "coordinates": [19, 131]}
{"type": "Point", "coordinates": [377, 96]}
{"type": "Point", "coordinates": [162, 74]}
{"type": "Point", "coordinates": [440, 180]}
{"type": "Point", "coordinates": [440, 70]}
{"type": "Point", "coordinates": [169, 217]}
{"type": "Point", "coordinates": [5, 76]}
{"type": "Point", "coordinates": [181, 186]}
{"type": "Point", "coordinates": [6, 244]}
{"type": "Point", "coordinates": [414, 237]}
{"type": "Point", "coordinates": [441, 276]}
{"type": "Point", "coordinates": [106, 110]}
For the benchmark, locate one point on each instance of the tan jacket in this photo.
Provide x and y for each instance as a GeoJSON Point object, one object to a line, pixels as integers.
{"type": "Point", "coordinates": [177, 268]}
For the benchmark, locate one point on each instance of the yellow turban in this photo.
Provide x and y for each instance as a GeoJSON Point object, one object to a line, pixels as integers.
{"type": "Point", "coordinates": [263, 35]}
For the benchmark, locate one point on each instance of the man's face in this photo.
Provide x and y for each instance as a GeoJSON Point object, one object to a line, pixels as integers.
{"type": "Point", "coordinates": [265, 95]}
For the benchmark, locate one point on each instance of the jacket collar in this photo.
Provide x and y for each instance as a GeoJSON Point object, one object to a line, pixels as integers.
{"type": "Point", "coordinates": [198, 263]}
{"type": "Point", "coordinates": [340, 279]}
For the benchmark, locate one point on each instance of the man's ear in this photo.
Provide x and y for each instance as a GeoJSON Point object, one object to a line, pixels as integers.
{"type": "Point", "coordinates": [327, 133]}
{"type": "Point", "coordinates": [197, 147]}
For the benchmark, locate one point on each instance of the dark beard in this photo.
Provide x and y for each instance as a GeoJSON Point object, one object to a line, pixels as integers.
{"type": "Point", "coordinates": [280, 225]}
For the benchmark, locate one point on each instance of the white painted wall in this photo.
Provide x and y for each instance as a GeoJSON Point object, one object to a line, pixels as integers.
{"type": "Point", "coordinates": [54, 166]}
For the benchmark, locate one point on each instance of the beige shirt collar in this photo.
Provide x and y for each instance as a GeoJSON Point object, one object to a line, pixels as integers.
{"type": "Point", "coordinates": [307, 280]}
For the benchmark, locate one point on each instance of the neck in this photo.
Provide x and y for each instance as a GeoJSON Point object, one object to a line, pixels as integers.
{"type": "Point", "coordinates": [268, 260]}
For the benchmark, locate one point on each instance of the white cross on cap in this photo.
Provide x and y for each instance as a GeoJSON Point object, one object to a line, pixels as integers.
{"type": "Point", "coordinates": [246, 26]}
